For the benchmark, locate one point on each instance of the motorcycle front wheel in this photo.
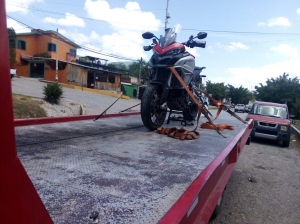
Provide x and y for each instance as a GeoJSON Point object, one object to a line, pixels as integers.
{"type": "Point", "coordinates": [153, 115]}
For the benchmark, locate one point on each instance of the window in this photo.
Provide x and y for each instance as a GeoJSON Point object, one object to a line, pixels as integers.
{"type": "Point", "coordinates": [73, 52]}
{"type": "Point", "coordinates": [21, 44]}
{"type": "Point", "coordinates": [51, 47]}
{"type": "Point", "coordinates": [12, 43]}
{"type": "Point", "coordinates": [111, 79]}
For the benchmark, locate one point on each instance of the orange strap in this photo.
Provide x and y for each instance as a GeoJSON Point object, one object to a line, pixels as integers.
{"type": "Point", "coordinates": [189, 135]}
{"type": "Point", "coordinates": [220, 127]}
{"type": "Point", "coordinates": [194, 99]}
{"type": "Point", "coordinates": [178, 133]}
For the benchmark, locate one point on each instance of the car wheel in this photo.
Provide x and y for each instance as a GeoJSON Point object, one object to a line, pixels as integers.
{"type": "Point", "coordinates": [285, 143]}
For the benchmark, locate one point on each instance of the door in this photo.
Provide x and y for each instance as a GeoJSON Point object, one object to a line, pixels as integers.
{"type": "Point", "coordinates": [91, 80]}
{"type": "Point", "coordinates": [37, 69]}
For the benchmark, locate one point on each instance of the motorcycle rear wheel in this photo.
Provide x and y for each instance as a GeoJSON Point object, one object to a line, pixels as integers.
{"type": "Point", "coordinates": [153, 115]}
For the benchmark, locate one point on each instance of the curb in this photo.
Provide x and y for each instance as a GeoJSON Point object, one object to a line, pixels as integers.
{"type": "Point", "coordinates": [98, 91]}
{"type": "Point", "coordinates": [295, 132]}
{"type": "Point", "coordinates": [81, 110]}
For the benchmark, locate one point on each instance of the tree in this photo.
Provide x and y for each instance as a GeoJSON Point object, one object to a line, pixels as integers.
{"type": "Point", "coordinates": [117, 65]}
{"type": "Point", "coordinates": [12, 47]}
{"type": "Point", "coordinates": [134, 68]}
{"type": "Point", "coordinates": [281, 88]}
{"type": "Point", "coordinates": [239, 95]}
{"type": "Point", "coordinates": [218, 90]}
{"type": "Point", "coordinates": [11, 31]}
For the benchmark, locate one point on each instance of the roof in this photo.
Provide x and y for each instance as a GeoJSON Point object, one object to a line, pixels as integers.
{"type": "Point", "coordinates": [270, 104]}
{"type": "Point", "coordinates": [95, 58]}
{"type": "Point", "coordinates": [30, 57]}
{"type": "Point", "coordinates": [47, 32]}
{"type": "Point", "coordinates": [26, 56]}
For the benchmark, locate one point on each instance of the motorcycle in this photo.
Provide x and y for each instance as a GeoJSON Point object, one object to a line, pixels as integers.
{"type": "Point", "coordinates": [165, 91]}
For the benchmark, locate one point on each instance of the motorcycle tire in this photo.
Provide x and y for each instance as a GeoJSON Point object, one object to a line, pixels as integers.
{"type": "Point", "coordinates": [153, 116]}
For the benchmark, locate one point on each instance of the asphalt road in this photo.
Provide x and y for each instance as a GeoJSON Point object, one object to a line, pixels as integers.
{"type": "Point", "coordinates": [264, 187]}
{"type": "Point", "coordinates": [93, 103]}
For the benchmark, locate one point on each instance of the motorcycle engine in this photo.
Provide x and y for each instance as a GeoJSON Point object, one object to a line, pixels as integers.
{"type": "Point", "coordinates": [189, 109]}
{"type": "Point", "coordinates": [178, 103]}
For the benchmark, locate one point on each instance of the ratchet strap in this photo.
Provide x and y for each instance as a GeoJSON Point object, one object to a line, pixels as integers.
{"type": "Point", "coordinates": [221, 107]}
{"type": "Point", "coordinates": [182, 133]}
{"type": "Point", "coordinates": [195, 101]}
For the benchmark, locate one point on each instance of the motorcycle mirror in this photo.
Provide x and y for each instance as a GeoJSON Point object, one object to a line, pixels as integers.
{"type": "Point", "coordinates": [147, 35]}
{"type": "Point", "coordinates": [147, 48]}
{"type": "Point", "coordinates": [201, 35]}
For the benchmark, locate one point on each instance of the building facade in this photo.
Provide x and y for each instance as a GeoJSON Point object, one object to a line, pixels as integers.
{"type": "Point", "coordinates": [51, 56]}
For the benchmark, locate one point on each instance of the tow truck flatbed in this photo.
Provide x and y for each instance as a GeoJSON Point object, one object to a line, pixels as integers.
{"type": "Point", "coordinates": [116, 167]}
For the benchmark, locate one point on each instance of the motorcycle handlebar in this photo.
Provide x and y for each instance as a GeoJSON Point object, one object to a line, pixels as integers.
{"type": "Point", "coordinates": [195, 43]}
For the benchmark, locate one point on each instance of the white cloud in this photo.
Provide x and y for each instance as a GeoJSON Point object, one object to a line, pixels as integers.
{"type": "Point", "coordinates": [250, 77]}
{"type": "Point", "coordinates": [69, 20]}
{"type": "Point", "coordinates": [298, 11]}
{"type": "Point", "coordinates": [233, 46]}
{"type": "Point", "coordinates": [78, 38]}
{"type": "Point", "coordinates": [280, 21]}
{"type": "Point", "coordinates": [95, 35]}
{"type": "Point", "coordinates": [129, 18]}
{"type": "Point", "coordinates": [124, 43]}
{"type": "Point", "coordinates": [17, 26]}
{"type": "Point", "coordinates": [19, 5]}
{"type": "Point", "coordinates": [192, 51]}
{"type": "Point", "coordinates": [128, 24]}
{"type": "Point", "coordinates": [286, 50]}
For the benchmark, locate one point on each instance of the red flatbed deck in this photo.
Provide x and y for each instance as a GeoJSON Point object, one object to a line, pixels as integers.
{"type": "Point", "coordinates": [114, 166]}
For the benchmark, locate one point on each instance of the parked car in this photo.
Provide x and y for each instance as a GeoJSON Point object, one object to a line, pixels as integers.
{"type": "Point", "coordinates": [271, 121]}
{"type": "Point", "coordinates": [247, 109]}
{"type": "Point", "coordinates": [240, 108]}
{"type": "Point", "coordinates": [13, 73]}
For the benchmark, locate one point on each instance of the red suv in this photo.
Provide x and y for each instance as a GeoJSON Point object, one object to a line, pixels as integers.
{"type": "Point", "coordinates": [271, 121]}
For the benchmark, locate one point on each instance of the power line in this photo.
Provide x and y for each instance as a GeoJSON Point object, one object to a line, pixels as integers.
{"type": "Point", "coordinates": [82, 47]}
{"type": "Point", "coordinates": [81, 5]}
{"type": "Point", "coordinates": [185, 29]}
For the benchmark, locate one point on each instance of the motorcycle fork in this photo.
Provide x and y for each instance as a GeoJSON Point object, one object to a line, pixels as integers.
{"type": "Point", "coordinates": [165, 88]}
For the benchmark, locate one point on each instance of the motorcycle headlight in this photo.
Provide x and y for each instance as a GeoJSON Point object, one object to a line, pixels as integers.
{"type": "Point", "coordinates": [173, 51]}
{"type": "Point", "coordinates": [284, 128]}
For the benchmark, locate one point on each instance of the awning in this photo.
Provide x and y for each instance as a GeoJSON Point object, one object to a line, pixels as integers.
{"type": "Point", "coordinates": [26, 57]}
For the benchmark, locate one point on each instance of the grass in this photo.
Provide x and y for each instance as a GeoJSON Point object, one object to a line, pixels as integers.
{"type": "Point", "coordinates": [27, 107]}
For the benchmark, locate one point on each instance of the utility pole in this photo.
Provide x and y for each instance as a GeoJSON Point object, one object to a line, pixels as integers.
{"type": "Point", "coordinates": [56, 70]}
{"type": "Point", "coordinates": [167, 15]}
{"type": "Point", "coordinates": [140, 71]}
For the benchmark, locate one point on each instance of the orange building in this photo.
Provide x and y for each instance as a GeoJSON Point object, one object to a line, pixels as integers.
{"type": "Point", "coordinates": [51, 56]}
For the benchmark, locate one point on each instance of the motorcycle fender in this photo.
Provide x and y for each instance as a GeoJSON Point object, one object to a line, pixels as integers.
{"type": "Point", "coordinates": [165, 90]}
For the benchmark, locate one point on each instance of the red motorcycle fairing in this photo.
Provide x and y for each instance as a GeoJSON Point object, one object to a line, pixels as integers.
{"type": "Point", "coordinates": [175, 45]}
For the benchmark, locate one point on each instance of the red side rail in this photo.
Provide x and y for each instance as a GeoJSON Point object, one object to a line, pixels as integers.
{"type": "Point", "coordinates": [19, 201]}
{"type": "Point", "coordinates": [50, 120]}
{"type": "Point", "coordinates": [198, 202]}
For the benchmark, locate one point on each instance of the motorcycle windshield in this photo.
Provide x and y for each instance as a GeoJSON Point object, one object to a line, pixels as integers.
{"type": "Point", "coordinates": [169, 38]}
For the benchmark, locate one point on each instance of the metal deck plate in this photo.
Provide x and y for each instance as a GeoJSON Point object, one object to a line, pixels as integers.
{"type": "Point", "coordinates": [114, 166]}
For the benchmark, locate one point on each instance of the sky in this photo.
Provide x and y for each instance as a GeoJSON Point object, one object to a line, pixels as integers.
{"type": "Point", "coordinates": [248, 42]}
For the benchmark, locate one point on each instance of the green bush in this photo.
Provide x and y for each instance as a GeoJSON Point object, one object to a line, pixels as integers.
{"type": "Point", "coordinates": [53, 92]}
